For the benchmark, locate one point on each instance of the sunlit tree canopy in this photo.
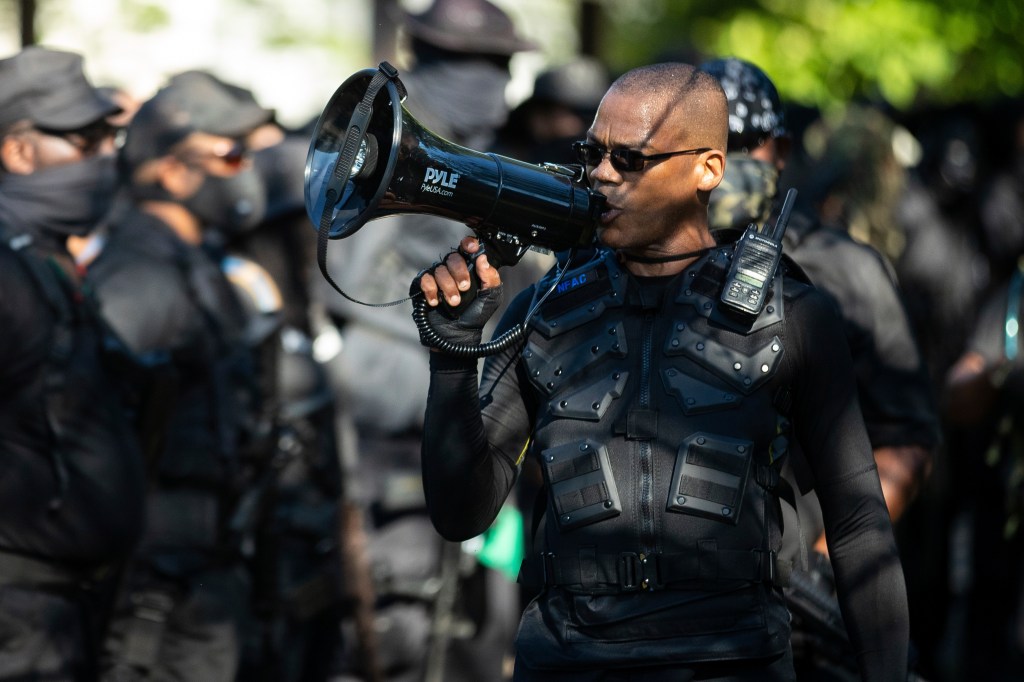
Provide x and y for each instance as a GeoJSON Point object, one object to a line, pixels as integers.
{"type": "Point", "coordinates": [826, 52]}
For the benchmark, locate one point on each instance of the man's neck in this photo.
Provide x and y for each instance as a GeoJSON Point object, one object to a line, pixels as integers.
{"type": "Point", "coordinates": [182, 221]}
{"type": "Point", "coordinates": [662, 261]}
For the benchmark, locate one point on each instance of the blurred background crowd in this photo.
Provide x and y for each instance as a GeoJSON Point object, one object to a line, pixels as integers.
{"type": "Point", "coordinates": [285, 535]}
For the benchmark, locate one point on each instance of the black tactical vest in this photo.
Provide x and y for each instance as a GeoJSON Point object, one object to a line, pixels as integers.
{"type": "Point", "coordinates": [75, 492]}
{"type": "Point", "coordinates": [660, 431]}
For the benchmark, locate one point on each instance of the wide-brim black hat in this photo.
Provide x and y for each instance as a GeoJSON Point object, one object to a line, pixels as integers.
{"type": "Point", "coordinates": [471, 26]}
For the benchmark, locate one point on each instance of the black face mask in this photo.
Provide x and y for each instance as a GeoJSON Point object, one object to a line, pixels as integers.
{"type": "Point", "coordinates": [62, 201]}
{"type": "Point", "coordinates": [233, 204]}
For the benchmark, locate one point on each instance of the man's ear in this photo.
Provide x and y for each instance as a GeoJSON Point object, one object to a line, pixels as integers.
{"type": "Point", "coordinates": [17, 155]}
{"type": "Point", "coordinates": [711, 167]}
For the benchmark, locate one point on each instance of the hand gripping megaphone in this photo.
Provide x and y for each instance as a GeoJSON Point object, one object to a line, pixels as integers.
{"type": "Point", "coordinates": [370, 158]}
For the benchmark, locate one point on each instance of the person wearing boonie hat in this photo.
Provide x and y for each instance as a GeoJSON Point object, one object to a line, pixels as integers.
{"type": "Point", "coordinates": [460, 55]}
{"type": "Point", "coordinates": [71, 475]}
{"type": "Point", "coordinates": [186, 169]}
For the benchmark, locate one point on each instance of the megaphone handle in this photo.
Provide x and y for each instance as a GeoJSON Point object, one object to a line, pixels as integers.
{"type": "Point", "coordinates": [452, 312]}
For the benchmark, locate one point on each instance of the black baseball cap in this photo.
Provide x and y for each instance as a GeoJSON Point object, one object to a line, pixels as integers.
{"type": "Point", "coordinates": [191, 102]}
{"type": "Point", "coordinates": [49, 88]}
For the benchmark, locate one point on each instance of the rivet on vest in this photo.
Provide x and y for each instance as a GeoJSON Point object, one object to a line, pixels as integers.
{"type": "Point", "coordinates": [700, 346]}
{"type": "Point", "coordinates": [596, 406]}
{"type": "Point", "coordinates": [764, 369]}
{"type": "Point", "coordinates": [737, 366]}
{"type": "Point", "coordinates": [770, 309]}
{"type": "Point", "coordinates": [595, 349]}
{"type": "Point", "coordinates": [726, 511]}
{"type": "Point", "coordinates": [775, 348]}
{"type": "Point", "coordinates": [680, 500]}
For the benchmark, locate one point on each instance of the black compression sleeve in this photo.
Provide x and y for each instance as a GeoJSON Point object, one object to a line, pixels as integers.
{"type": "Point", "coordinates": [469, 468]}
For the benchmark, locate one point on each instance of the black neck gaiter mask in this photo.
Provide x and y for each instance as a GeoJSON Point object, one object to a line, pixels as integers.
{"type": "Point", "coordinates": [59, 202]}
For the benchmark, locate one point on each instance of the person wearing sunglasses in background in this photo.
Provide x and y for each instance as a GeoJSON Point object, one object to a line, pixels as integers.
{"type": "Point", "coordinates": [660, 418]}
{"type": "Point", "coordinates": [183, 602]}
{"type": "Point", "coordinates": [71, 476]}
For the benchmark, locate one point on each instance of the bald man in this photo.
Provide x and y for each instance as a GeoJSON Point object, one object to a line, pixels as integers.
{"type": "Point", "coordinates": [660, 418]}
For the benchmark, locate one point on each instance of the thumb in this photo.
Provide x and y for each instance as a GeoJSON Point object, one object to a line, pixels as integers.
{"type": "Point", "coordinates": [488, 276]}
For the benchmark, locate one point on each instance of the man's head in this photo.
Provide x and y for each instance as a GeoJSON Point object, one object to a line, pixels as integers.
{"type": "Point", "coordinates": [57, 175]}
{"type": "Point", "coordinates": [677, 114]}
{"type": "Point", "coordinates": [50, 114]}
{"type": "Point", "coordinates": [758, 144]}
{"type": "Point", "coordinates": [186, 145]}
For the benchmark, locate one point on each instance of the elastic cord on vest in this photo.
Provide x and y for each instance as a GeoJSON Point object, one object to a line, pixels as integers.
{"type": "Point", "coordinates": [664, 259]}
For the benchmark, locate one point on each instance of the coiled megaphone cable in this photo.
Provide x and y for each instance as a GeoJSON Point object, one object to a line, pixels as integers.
{"type": "Point", "coordinates": [507, 339]}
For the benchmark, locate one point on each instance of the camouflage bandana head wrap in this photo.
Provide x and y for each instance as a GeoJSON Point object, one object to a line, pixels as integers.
{"type": "Point", "coordinates": [745, 194]}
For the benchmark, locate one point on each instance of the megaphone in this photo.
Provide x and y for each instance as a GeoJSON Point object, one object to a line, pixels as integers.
{"type": "Point", "coordinates": [370, 158]}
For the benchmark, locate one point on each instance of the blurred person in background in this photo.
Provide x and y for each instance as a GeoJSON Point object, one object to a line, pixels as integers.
{"type": "Point", "coordinates": [71, 469]}
{"type": "Point", "coordinates": [556, 114]}
{"type": "Point", "coordinates": [442, 613]}
{"type": "Point", "coordinates": [289, 513]}
{"type": "Point", "coordinates": [183, 602]}
{"type": "Point", "coordinates": [894, 389]}
{"type": "Point", "coordinates": [983, 401]}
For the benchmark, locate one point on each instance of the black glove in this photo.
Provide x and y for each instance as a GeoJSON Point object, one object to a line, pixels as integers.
{"type": "Point", "coordinates": [463, 325]}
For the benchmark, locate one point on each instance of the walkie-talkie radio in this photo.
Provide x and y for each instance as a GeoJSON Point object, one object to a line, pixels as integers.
{"type": "Point", "coordinates": [754, 263]}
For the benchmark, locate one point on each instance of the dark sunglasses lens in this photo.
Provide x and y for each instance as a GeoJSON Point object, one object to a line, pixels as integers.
{"type": "Point", "coordinates": [588, 154]}
{"type": "Point", "coordinates": [235, 157]}
{"type": "Point", "coordinates": [626, 160]}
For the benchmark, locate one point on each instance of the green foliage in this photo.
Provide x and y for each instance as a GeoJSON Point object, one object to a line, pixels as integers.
{"type": "Point", "coordinates": [827, 52]}
{"type": "Point", "coordinates": [144, 17]}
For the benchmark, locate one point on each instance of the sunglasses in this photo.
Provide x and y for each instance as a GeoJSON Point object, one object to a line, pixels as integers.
{"type": "Point", "coordinates": [622, 160]}
{"type": "Point", "coordinates": [232, 159]}
{"type": "Point", "coordinates": [87, 139]}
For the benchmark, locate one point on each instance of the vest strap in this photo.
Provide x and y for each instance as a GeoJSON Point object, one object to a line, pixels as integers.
{"type": "Point", "coordinates": [593, 573]}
